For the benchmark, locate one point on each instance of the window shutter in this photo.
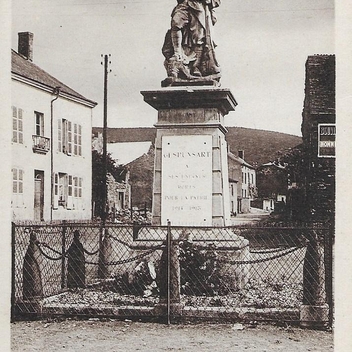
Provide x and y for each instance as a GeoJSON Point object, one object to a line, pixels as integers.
{"type": "Point", "coordinates": [80, 187]}
{"type": "Point", "coordinates": [14, 180]}
{"type": "Point", "coordinates": [70, 204]}
{"type": "Point", "coordinates": [20, 126]}
{"type": "Point", "coordinates": [14, 124]}
{"type": "Point", "coordinates": [79, 140]}
{"type": "Point", "coordinates": [75, 140]}
{"type": "Point", "coordinates": [20, 181]}
{"type": "Point", "coordinates": [69, 136]}
{"type": "Point", "coordinates": [59, 135]}
{"type": "Point", "coordinates": [56, 192]}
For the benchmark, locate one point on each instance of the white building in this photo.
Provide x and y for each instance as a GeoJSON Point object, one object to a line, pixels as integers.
{"type": "Point", "coordinates": [51, 143]}
{"type": "Point", "coordinates": [244, 175]}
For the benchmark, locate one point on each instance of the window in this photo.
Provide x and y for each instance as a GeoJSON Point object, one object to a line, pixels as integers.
{"type": "Point", "coordinates": [77, 182]}
{"type": "Point", "coordinates": [122, 199]}
{"type": "Point", "coordinates": [67, 191]}
{"type": "Point", "coordinates": [63, 190]}
{"type": "Point", "coordinates": [17, 187]}
{"type": "Point", "coordinates": [17, 181]}
{"type": "Point", "coordinates": [64, 136]}
{"type": "Point", "coordinates": [77, 139]}
{"type": "Point", "coordinates": [39, 123]}
{"type": "Point", "coordinates": [69, 137]}
{"type": "Point", "coordinates": [17, 125]}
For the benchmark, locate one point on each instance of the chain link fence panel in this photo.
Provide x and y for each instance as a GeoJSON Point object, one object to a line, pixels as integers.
{"type": "Point", "coordinates": [247, 273]}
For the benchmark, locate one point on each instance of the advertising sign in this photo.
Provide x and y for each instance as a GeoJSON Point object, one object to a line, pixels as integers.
{"type": "Point", "coordinates": [326, 140]}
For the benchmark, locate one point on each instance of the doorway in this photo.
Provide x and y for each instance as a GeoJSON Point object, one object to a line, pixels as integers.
{"type": "Point", "coordinates": [38, 195]}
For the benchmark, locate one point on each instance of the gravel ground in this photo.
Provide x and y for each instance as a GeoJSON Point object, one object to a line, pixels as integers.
{"type": "Point", "coordinates": [93, 335]}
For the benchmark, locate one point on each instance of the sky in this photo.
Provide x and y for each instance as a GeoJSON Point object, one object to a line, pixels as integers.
{"type": "Point", "coordinates": [262, 47]}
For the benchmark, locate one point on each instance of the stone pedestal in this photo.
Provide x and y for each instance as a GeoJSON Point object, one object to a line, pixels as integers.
{"type": "Point", "coordinates": [190, 170]}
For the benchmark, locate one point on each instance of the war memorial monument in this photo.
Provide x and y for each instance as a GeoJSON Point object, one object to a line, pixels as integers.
{"type": "Point", "coordinates": [190, 169]}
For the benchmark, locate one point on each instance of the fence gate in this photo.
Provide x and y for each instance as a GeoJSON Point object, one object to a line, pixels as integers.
{"type": "Point", "coordinates": [277, 272]}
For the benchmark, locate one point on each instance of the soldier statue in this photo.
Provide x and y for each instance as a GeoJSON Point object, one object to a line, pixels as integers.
{"type": "Point", "coordinates": [188, 47]}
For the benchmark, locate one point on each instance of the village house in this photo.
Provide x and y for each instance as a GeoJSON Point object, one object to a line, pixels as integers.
{"type": "Point", "coordinates": [272, 182]}
{"type": "Point", "coordinates": [118, 185]}
{"type": "Point", "coordinates": [51, 143]}
{"type": "Point", "coordinates": [242, 175]}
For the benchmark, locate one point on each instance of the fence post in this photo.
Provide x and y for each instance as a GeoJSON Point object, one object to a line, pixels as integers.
{"type": "Point", "coordinates": [328, 248]}
{"type": "Point", "coordinates": [102, 270]}
{"type": "Point", "coordinates": [63, 249]}
{"type": "Point", "coordinates": [314, 312]}
{"type": "Point", "coordinates": [170, 283]}
{"type": "Point", "coordinates": [13, 270]}
{"type": "Point", "coordinates": [168, 260]}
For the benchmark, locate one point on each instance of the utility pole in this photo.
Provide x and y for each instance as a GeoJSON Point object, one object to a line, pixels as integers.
{"type": "Point", "coordinates": [106, 64]}
{"type": "Point", "coordinates": [102, 268]}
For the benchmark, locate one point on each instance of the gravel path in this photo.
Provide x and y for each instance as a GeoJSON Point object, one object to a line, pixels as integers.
{"type": "Point", "coordinates": [98, 336]}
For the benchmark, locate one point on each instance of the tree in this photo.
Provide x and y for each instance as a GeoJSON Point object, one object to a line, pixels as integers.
{"type": "Point", "coordinates": [98, 178]}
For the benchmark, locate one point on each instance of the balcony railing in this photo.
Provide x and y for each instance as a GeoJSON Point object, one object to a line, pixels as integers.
{"type": "Point", "coordinates": [41, 144]}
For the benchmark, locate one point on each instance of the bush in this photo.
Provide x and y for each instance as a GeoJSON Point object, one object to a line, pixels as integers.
{"type": "Point", "coordinates": [199, 270]}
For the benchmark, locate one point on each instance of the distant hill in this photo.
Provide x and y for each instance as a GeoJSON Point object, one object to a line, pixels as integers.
{"type": "Point", "coordinates": [259, 146]}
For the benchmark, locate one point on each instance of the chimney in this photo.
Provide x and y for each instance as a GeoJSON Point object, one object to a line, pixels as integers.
{"type": "Point", "coordinates": [25, 45]}
{"type": "Point", "coordinates": [241, 154]}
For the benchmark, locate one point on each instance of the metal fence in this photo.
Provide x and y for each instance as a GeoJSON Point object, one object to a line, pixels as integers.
{"type": "Point", "coordinates": [247, 273]}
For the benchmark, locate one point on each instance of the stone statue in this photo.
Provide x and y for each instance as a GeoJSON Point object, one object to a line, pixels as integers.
{"type": "Point", "coordinates": [188, 47]}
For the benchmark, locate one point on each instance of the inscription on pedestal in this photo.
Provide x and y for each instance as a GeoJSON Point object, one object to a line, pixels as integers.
{"type": "Point", "coordinates": [189, 116]}
{"type": "Point", "coordinates": [186, 189]}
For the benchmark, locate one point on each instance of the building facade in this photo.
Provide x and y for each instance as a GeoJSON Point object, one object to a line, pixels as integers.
{"type": "Point", "coordinates": [272, 182]}
{"type": "Point", "coordinates": [118, 188]}
{"type": "Point", "coordinates": [319, 133]}
{"type": "Point", "coordinates": [51, 143]}
{"type": "Point", "coordinates": [244, 175]}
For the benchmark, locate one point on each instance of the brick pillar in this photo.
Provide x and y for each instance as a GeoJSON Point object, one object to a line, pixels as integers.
{"type": "Point", "coordinates": [314, 312]}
